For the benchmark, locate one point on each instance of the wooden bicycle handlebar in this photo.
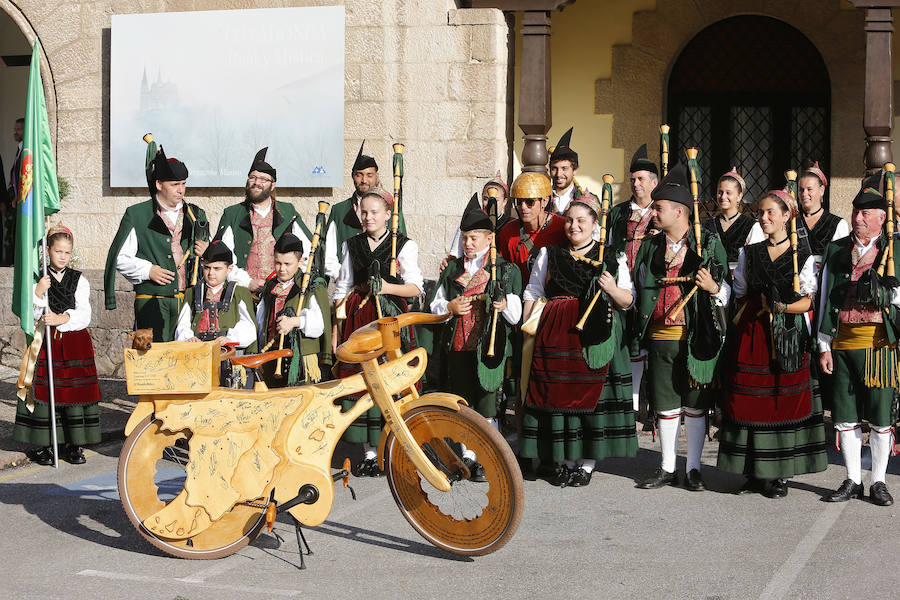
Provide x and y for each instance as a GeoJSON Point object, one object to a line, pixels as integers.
{"type": "Point", "coordinates": [370, 341]}
{"type": "Point", "coordinates": [251, 361]}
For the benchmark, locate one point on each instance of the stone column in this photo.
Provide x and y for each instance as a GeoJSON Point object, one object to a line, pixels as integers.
{"type": "Point", "coordinates": [534, 89]}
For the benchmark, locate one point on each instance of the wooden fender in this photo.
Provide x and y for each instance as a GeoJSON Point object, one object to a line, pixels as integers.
{"type": "Point", "coordinates": [143, 409]}
{"type": "Point", "coordinates": [408, 403]}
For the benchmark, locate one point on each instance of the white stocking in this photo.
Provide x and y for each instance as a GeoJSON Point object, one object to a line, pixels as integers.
{"type": "Point", "coordinates": [668, 424]}
{"type": "Point", "coordinates": [851, 449]}
{"type": "Point", "coordinates": [695, 432]}
{"type": "Point", "coordinates": [588, 465]}
{"type": "Point", "coordinates": [637, 373]}
{"type": "Point", "coordinates": [880, 443]}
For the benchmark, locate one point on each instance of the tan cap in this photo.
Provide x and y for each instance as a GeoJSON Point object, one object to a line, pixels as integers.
{"type": "Point", "coordinates": [531, 185]}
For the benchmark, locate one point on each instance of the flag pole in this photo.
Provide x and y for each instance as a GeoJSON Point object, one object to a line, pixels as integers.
{"type": "Point", "coordinates": [48, 339]}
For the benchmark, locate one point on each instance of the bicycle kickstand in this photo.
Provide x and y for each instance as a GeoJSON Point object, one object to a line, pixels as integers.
{"type": "Point", "coordinates": [301, 538]}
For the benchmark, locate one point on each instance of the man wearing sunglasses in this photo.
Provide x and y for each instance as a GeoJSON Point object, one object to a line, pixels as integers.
{"type": "Point", "coordinates": [251, 227]}
{"type": "Point", "coordinates": [521, 239]}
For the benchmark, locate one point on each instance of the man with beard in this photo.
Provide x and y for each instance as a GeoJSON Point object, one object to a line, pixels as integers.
{"type": "Point", "coordinates": [251, 228]}
{"type": "Point", "coordinates": [563, 164]}
{"type": "Point", "coordinates": [343, 222]}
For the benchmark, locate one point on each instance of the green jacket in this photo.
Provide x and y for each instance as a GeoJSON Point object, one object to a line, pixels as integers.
{"type": "Point", "coordinates": [347, 224]}
{"type": "Point", "coordinates": [154, 245]}
{"type": "Point", "coordinates": [837, 264]}
{"type": "Point", "coordinates": [320, 345]}
{"type": "Point", "coordinates": [237, 216]}
{"type": "Point", "coordinates": [703, 320]}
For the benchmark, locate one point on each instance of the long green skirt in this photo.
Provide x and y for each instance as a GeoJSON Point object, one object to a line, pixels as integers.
{"type": "Point", "coordinates": [608, 431]}
{"type": "Point", "coordinates": [76, 424]}
{"type": "Point", "coordinates": [779, 451]}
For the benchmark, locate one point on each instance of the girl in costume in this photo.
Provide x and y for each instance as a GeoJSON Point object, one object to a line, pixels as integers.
{"type": "Point", "coordinates": [731, 224]}
{"type": "Point", "coordinates": [367, 291]}
{"type": "Point", "coordinates": [578, 406]}
{"type": "Point", "coordinates": [772, 426]}
{"type": "Point", "coordinates": [67, 296]}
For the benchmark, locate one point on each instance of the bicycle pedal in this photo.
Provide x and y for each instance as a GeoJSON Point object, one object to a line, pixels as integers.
{"type": "Point", "coordinates": [271, 514]}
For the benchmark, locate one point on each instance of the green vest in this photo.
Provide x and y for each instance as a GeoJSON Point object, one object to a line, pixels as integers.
{"type": "Point", "coordinates": [837, 260]}
{"type": "Point", "coordinates": [228, 318]}
{"type": "Point", "coordinates": [154, 245]}
{"type": "Point", "coordinates": [237, 217]}
{"type": "Point", "coordinates": [320, 345]}
{"type": "Point", "coordinates": [346, 223]}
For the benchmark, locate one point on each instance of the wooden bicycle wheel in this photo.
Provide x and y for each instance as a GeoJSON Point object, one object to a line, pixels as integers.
{"type": "Point", "coordinates": [148, 455]}
{"type": "Point", "coordinates": [473, 518]}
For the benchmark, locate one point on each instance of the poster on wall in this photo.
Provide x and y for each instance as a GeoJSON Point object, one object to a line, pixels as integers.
{"type": "Point", "coordinates": [216, 86]}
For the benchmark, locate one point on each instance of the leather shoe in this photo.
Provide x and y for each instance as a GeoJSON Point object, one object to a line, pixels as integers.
{"type": "Point", "coordinates": [580, 478]}
{"type": "Point", "coordinates": [879, 494]}
{"type": "Point", "coordinates": [752, 485]}
{"type": "Point", "coordinates": [659, 479]}
{"type": "Point", "coordinates": [776, 488]}
{"type": "Point", "coordinates": [41, 456]}
{"type": "Point", "coordinates": [367, 468]}
{"type": "Point", "coordinates": [694, 482]}
{"type": "Point", "coordinates": [75, 455]}
{"type": "Point", "coordinates": [847, 490]}
{"type": "Point", "coordinates": [560, 476]}
{"type": "Point", "coordinates": [476, 470]}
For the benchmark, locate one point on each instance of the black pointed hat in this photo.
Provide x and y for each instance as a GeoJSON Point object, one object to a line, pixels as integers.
{"type": "Point", "coordinates": [562, 151]}
{"type": "Point", "coordinates": [675, 187]}
{"type": "Point", "coordinates": [164, 169]}
{"type": "Point", "coordinates": [288, 242]}
{"type": "Point", "coordinates": [640, 162]}
{"type": "Point", "coordinates": [474, 217]}
{"type": "Point", "coordinates": [217, 251]}
{"type": "Point", "coordinates": [869, 198]}
{"type": "Point", "coordinates": [874, 181]}
{"type": "Point", "coordinates": [260, 164]}
{"type": "Point", "coordinates": [363, 161]}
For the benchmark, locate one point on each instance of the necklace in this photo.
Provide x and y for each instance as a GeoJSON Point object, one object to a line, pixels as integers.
{"type": "Point", "coordinates": [814, 213]}
{"type": "Point", "coordinates": [777, 243]}
{"type": "Point", "coordinates": [580, 248]}
{"type": "Point", "coordinates": [379, 238]}
{"type": "Point", "coordinates": [729, 219]}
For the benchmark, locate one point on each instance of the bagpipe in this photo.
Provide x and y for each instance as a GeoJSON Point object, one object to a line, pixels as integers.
{"type": "Point", "coordinates": [493, 343]}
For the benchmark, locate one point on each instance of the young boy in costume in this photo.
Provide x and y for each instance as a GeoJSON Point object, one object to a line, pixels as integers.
{"type": "Point", "coordinates": [216, 308]}
{"type": "Point", "coordinates": [292, 319]}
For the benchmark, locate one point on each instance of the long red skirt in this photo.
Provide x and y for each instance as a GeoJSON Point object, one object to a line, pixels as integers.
{"type": "Point", "coordinates": [74, 371]}
{"type": "Point", "coordinates": [561, 380]}
{"type": "Point", "coordinates": [755, 393]}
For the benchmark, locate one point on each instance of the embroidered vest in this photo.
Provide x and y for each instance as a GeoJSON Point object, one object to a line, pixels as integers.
{"type": "Point", "coordinates": [469, 326]}
{"type": "Point", "coordinates": [854, 311]}
{"type": "Point", "coordinates": [61, 295]}
{"type": "Point", "coordinates": [670, 294]}
{"type": "Point", "coordinates": [261, 258]}
{"type": "Point", "coordinates": [175, 230]}
{"type": "Point", "coordinates": [635, 229]}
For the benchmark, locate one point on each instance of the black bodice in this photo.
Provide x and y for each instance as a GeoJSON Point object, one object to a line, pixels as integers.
{"type": "Point", "coordinates": [734, 237]}
{"type": "Point", "coordinates": [821, 234]}
{"type": "Point", "coordinates": [774, 278]}
{"type": "Point", "coordinates": [362, 257]}
{"type": "Point", "coordinates": [61, 295]}
{"type": "Point", "coordinates": [570, 277]}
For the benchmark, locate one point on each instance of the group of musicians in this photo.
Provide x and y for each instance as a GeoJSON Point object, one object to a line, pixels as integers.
{"type": "Point", "coordinates": [566, 305]}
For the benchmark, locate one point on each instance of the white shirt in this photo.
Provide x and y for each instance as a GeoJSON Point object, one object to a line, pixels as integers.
{"type": "Point", "coordinates": [513, 311]}
{"type": "Point", "coordinates": [562, 199]}
{"type": "Point", "coordinates": [823, 340]}
{"type": "Point", "coordinates": [135, 269]}
{"type": "Point", "coordinates": [332, 266]}
{"type": "Point", "coordinates": [243, 332]}
{"type": "Point", "coordinates": [407, 269]}
{"type": "Point", "coordinates": [79, 317]}
{"type": "Point", "coordinates": [720, 298]}
{"type": "Point", "coordinates": [311, 323]}
{"type": "Point", "coordinates": [538, 278]}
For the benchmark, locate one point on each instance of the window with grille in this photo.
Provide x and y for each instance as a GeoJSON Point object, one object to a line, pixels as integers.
{"type": "Point", "coordinates": [751, 92]}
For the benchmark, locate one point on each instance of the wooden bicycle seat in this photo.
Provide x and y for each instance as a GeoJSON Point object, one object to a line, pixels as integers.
{"type": "Point", "coordinates": [251, 361]}
{"type": "Point", "coordinates": [370, 341]}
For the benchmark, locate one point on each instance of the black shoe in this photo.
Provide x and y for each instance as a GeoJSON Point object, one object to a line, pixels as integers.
{"type": "Point", "coordinates": [367, 468]}
{"type": "Point", "coordinates": [476, 470]}
{"type": "Point", "coordinates": [560, 476]}
{"type": "Point", "coordinates": [526, 465]}
{"type": "Point", "coordinates": [41, 456]}
{"type": "Point", "coordinates": [694, 482]}
{"type": "Point", "coordinates": [847, 490]}
{"type": "Point", "coordinates": [752, 485]}
{"type": "Point", "coordinates": [74, 455]}
{"type": "Point", "coordinates": [580, 478]}
{"type": "Point", "coordinates": [659, 479]}
{"type": "Point", "coordinates": [879, 494]}
{"type": "Point", "coordinates": [775, 488]}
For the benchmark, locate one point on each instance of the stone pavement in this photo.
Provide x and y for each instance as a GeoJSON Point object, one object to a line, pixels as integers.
{"type": "Point", "coordinates": [115, 408]}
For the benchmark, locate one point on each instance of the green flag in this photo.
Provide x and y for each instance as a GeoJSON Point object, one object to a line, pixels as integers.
{"type": "Point", "coordinates": [38, 194]}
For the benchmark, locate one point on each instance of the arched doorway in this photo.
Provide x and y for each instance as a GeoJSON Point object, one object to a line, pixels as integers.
{"type": "Point", "coordinates": [15, 57]}
{"type": "Point", "coordinates": [753, 92]}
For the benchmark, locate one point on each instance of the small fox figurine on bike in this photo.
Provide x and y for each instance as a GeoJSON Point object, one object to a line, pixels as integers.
{"type": "Point", "coordinates": [256, 453]}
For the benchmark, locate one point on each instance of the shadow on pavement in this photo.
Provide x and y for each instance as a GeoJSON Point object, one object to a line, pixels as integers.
{"type": "Point", "coordinates": [382, 540]}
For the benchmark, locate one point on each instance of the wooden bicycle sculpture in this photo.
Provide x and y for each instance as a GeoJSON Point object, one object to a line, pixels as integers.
{"type": "Point", "coordinates": [253, 454]}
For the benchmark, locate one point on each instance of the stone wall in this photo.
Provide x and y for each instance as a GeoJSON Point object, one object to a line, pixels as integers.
{"type": "Point", "coordinates": [417, 71]}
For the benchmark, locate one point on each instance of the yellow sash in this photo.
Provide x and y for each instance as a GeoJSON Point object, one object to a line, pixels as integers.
{"type": "Point", "coordinates": [26, 370]}
{"type": "Point", "coordinates": [860, 336]}
{"type": "Point", "coordinates": [667, 333]}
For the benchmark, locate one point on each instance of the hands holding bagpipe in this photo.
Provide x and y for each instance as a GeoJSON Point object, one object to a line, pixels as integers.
{"type": "Point", "coordinates": [462, 305]}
